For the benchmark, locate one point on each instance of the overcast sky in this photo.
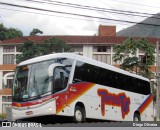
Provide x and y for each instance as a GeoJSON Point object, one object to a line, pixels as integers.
{"type": "Point", "coordinates": [62, 24]}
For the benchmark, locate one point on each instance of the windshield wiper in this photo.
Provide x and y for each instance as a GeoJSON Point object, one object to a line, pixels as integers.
{"type": "Point", "coordinates": [45, 94]}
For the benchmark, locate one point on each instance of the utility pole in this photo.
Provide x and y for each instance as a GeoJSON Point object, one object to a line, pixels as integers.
{"type": "Point", "coordinates": [157, 88]}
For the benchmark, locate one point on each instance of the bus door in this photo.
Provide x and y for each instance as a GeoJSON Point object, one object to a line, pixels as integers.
{"type": "Point", "coordinates": [60, 80]}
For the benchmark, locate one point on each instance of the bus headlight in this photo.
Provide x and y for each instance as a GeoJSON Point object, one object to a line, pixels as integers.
{"type": "Point", "coordinates": [50, 109]}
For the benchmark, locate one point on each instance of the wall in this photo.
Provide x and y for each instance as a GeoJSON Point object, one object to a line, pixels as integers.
{"type": "Point", "coordinates": [0, 104]}
{"type": "Point", "coordinates": [1, 62]}
{"type": "Point", "coordinates": [107, 30]}
{"type": "Point", "coordinates": [88, 51]}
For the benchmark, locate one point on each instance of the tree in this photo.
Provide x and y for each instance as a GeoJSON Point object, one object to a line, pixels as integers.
{"type": "Point", "coordinates": [54, 45]}
{"type": "Point", "coordinates": [126, 52]}
{"type": "Point", "coordinates": [35, 31]}
{"type": "Point", "coordinates": [31, 49]}
{"type": "Point", "coordinates": [8, 33]}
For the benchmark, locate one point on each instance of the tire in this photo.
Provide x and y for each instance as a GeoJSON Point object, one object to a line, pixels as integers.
{"type": "Point", "coordinates": [136, 117]}
{"type": "Point", "coordinates": [79, 114]}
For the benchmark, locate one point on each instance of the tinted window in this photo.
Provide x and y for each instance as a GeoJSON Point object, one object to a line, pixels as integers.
{"type": "Point", "coordinates": [60, 78]}
{"type": "Point", "coordinates": [94, 74]}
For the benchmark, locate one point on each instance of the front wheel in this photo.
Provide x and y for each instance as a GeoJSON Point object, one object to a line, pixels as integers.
{"type": "Point", "coordinates": [79, 114]}
{"type": "Point", "coordinates": [137, 117]}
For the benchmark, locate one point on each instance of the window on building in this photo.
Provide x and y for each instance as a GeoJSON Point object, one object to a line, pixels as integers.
{"type": "Point", "coordinates": [9, 83]}
{"type": "Point", "coordinates": [103, 58]}
{"type": "Point", "coordinates": [6, 99]}
{"type": "Point", "coordinates": [8, 49]}
{"type": "Point", "coordinates": [102, 49]}
{"type": "Point", "coordinates": [4, 107]}
{"type": "Point", "coordinates": [9, 79]}
{"type": "Point", "coordinates": [78, 48]}
{"type": "Point", "coordinates": [144, 59]}
{"type": "Point", "coordinates": [8, 58]}
{"type": "Point", "coordinates": [141, 57]}
{"type": "Point", "coordinates": [18, 48]}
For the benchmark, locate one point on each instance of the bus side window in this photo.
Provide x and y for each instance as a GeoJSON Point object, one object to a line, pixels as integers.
{"type": "Point", "coordinates": [60, 78]}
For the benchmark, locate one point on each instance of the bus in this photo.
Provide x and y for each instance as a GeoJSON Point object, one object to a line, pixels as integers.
{"type": "Point", "coordinates": [67, 84]}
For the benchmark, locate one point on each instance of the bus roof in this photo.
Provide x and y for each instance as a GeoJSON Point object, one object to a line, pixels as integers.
{"type": "Point", "coordinates": [79, 58]}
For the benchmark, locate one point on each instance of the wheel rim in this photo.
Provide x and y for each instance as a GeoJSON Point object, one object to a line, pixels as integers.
{"type": "Point", "coordinates": [136, 119]}
{"type": "Point", "coordinates": [78, 115]}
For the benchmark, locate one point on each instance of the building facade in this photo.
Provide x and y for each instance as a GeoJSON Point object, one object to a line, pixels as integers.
{"type": "Point", "coordinates": [96, 47]}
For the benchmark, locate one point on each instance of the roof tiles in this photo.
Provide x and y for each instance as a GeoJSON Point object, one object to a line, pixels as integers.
{"type": "Point", "coordinates": [74, 39]}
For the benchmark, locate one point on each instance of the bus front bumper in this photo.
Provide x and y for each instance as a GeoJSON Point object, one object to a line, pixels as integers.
{"type": "Point", "coordinates": [43, 109]}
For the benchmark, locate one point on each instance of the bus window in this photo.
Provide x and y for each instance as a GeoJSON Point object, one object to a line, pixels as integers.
{"type": "Point", "coordinates": [60, 79]}
{"type": "Point", "coordinates": [39, 79]}
{"type": "Point", "coordinates": [20, 84]}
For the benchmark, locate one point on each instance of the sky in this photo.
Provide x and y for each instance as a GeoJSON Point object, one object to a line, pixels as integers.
{"type": "Point", "coordinates": [52, 23]}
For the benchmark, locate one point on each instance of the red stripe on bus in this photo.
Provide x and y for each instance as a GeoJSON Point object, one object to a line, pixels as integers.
{"type": "Point", "coordinates": [81, 88]}
{"type": "Point", "coordinates": [61, 101]}
{"type": "Point", "coordinates": [31, 103]}
{"type": "Point", "coordinates": [145, 104]}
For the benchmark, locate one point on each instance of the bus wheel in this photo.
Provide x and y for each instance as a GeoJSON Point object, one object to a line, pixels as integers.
{"type": "Point", "coordinates": [137, 117]}
{"type": "Point", "coordinates": [79, 114]}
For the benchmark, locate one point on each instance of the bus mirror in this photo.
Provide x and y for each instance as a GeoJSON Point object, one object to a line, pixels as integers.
{"type": "Point", "coordinates": [5, 77]}
{"type": "Point", "coordinates": [51, 68]}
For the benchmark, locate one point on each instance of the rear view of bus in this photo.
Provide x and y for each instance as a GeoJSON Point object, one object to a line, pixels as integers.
{"type": "Point", "coordinates": [35, 83]}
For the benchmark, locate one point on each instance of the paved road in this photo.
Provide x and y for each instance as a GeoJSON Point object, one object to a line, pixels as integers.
{"type": "Point", "coordinates": [91, 124]}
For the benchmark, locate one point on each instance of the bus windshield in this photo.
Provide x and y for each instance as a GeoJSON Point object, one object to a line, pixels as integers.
{"type": "Point", "coordinates": [33, 81]}
{"type": "Point", "coordinates": [20, 82]}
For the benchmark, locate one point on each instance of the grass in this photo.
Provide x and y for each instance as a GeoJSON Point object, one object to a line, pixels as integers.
{"type": "Point", "coordinates": [3, 116]}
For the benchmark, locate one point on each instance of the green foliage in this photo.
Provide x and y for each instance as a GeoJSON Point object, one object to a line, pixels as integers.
{"type": "Point", "coordinates": [3, 116]}
{"type": "Point", "coordinates": [35, 31]}
{"type": "Point", "coordinates": [8, 33]}
{"type": "Point", "coordinates": [126, 52]}
{"type": "Point", "coordinates": [54, 45]}
{"type": "Point", "coordinates": [153, 84]}
{"type": "Point", "coordinates": [30, 49]}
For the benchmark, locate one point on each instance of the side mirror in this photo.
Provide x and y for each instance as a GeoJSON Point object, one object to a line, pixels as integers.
{"type": "Point", "coordinates": [51, 68]}
{"type": "Point", "coordinates": [5, 77]}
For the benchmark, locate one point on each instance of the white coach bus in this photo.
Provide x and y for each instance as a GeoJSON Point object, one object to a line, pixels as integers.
{"type": "Point", "coordinates": [67, 84]}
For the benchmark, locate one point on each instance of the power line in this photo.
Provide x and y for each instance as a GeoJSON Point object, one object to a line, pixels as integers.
{"type": "Point", "coordinates": [86, 7]}
{"type": "Point", "coordinates": [100, 12]}
{"type": "Point", "coordinates": [144, 27]}
{"type": "Point", "coordinates": [55, 15]}
{"type": "Point", "coordinates": [113, 11]}
{"type": "Point", "coordinates": [62, 16]}
{"type": "Point", "coordinates": [140, 6]}
{"type": "Point", "coordinates": [136, 4]}
{"type": "Point", "coordinates": [114, 8]}
{"type": "Point", "coordinates": [120, 23]}
{"type": "Point", "coordinates": [80, 15]}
